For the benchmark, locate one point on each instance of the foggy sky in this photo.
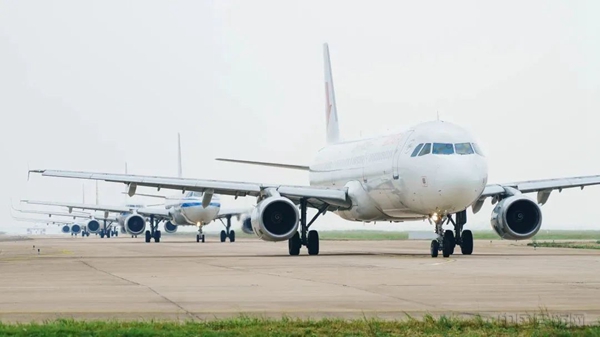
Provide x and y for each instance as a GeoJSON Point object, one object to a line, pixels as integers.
{"type": "Point", "coordinates": [90, 85]}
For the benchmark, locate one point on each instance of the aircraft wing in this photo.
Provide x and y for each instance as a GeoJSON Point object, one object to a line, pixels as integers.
{"type": "Point", "coordinates": [52, 221]}
{"type": "Point", "coordinates": [317, 197]}
{"type": "Point", "coordinates": [543, 187]}
{"type": "Point", "coordinates": [157, 212]}
{"type": "Point", "coordinates": [74, 205]}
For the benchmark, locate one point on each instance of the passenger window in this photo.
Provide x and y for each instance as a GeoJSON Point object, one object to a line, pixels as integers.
{"type": "Point", "coordinates": [463, 148]}
{"type": "Point", "coordinates": [426, 149]}
{"type": "Point", "coordinates": [478, 150]}
{"type": "Point", "coordinates": [414, 154]}
{"type": "Point", "coordinates": [443, 148]}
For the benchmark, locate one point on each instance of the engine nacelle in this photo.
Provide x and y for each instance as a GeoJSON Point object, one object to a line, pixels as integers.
{"type": "Point", "coordinates": [170, 227]}
{"type": "Point", "coordinates": [66, 229]}
{"type": "Point", "coordinates": [75, 229]}
{"type": "Point", "coordinates": [135, 224]}
{"type": "Point", "coordinates": [516, 218]}
{"type": "Point", "coordinates": [275, 219]}
{"type": "Point", "coordinates": [93, 226]}
{"type": "Point", "coordinates": [247, 226]}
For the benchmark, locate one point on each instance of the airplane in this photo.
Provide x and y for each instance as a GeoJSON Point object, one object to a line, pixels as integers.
{"type": "Point", "coordinates": [433, 171]}
{"type": "Point", "coordinates": [92, 225]}
{"type": "Point", "coordinates": [68, 226]}
{"type": "Point", "coordinates": [191, 209]}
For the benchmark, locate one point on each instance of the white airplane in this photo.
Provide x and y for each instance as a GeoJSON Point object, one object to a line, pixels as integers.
{"type": "Point", "coordinates": [67, 226]}
{"type": "Point", "coordinates": [191, 209]}
{"type": "Point", "coordinates": [200, 208]}
{"type": "Point", "coordinates": [434, 170]}
{"type": "Point", "coordinates": [92, 224]}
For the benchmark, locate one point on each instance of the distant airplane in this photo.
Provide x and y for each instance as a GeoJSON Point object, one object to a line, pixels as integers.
{"type": "Point", "coordinates": [191, 209]}
{"type": "Point", "coordinates": [433, 171]}
{"type": "Point", "coordinates": [67, 226]}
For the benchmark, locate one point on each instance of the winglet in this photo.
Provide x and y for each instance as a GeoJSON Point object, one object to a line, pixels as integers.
{"type": "Point", "coordinates": [29, 172]}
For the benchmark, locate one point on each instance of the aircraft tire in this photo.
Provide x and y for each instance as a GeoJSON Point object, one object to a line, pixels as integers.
{"type": "Point", "coordinates": [467, 242]}
{"type": "Point", "coordinates": [148, 236]}
{"type": "Point", "coordinates": [223, 236]}
{"type": "Point", "coordinates": [232, 236]}
{"type": "Point", "coordinates": [313, 242]}
{"type": "Point", "coordinates": [451, 240]}
{"type": "Point", "coordinates": [294, 244]}
{"type": "Point", "coordinates": [435, 248]}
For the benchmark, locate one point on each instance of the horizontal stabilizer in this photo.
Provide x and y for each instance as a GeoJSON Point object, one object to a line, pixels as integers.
{"type": "Point", "coordinates": [261, 163]}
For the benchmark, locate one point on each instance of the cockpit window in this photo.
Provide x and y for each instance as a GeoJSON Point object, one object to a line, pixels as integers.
{"type": "Point", "coordinates": [463, 148]}
{"type": "Point", "coordinates": [443, 148]}
{"type": "Point", "coordinates": [414, 154]}
{"type": "Point", "coordinates": [478, 150]}
{"type": "Point", "coordinates": [425, 150]}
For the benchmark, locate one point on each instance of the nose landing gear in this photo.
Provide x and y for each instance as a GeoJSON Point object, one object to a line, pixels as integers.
{"type": "Point", "coordinates": [447, 240]}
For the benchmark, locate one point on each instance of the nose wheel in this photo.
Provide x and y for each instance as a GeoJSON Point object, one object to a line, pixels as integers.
{"type": "Point", "coordinates": [200, 235]}
{"type": "Point", "coordinates": [447, 240]}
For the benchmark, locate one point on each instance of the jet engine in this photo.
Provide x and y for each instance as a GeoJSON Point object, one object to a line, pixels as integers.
{"type": "Point", "coordinates": [93, 226]}
{"type": "Point", "coordinates": [135, 224]}
{"type": "Point", "coordinates": [516, 218]}
{"type": "Point", "coordinates": [275, 219]}
{"type": "Point", "coordinates": [170, 227]}
{"type": "Point", "coordinates": [75, 229]}
{"type": "Point", "coordinates": [66, 229]}
{"type": "Point", "coordinates": [247, 226]}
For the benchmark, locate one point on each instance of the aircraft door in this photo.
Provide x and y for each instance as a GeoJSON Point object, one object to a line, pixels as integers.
{"type": "Point", "coordinates": [406, 144]}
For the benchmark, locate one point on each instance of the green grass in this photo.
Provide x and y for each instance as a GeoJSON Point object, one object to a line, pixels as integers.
{"type": "Point", "coordinates": [403, 235]}
{"type": "Point", "coordinates": [246, 326]}
{"type": "Point", "coordinates": [477, 235]}
{"type": "Point", "coordinates": [567, 244]}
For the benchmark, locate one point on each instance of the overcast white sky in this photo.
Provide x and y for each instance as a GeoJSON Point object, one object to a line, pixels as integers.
{"type": "Point", "coordinates": [90, 85]}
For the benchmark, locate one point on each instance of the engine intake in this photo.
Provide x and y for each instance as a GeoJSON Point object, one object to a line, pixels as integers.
{"type": "Point", "coordinates": [275, 219]}
{"type": "Point", "coordinates": [170, 227]}
{"type": "Point", "coordinates": [66, 229]}
{"type": "Point", "coordinates": [93, 226]}
{"type": "Point", "coordinates": [135, 224]}
{"type": "Point", "coordinates": [76, 229]}
{"type": "Point", "coordinates": [516, 218]}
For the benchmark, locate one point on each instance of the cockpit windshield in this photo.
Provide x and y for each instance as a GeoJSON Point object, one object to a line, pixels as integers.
{"type": "Point", "coordinates": [443, 148]}
{"type": "Point", "coordinates": [463, 148]}
{"type": "Point", "coordinates": [192, 194]}
{"type": "Point", "coordinates": [446, 149]}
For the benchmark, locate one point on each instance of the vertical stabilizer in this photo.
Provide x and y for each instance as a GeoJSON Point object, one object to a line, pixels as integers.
{"type": "Point", "coordinates": [179, 165]}
{"type": "Point", "coordinates": [331, 117]}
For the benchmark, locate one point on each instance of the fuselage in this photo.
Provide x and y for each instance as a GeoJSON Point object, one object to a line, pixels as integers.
{"type": "Point", "coordinates": [432, 168]}
{"type": "Point", "coordinates": [187, 210]}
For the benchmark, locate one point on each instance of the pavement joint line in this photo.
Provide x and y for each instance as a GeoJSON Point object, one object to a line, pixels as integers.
{"type": "Point", "coordinates": [187, 312]}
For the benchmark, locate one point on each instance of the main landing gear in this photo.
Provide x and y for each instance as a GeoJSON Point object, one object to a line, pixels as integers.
{"type": "Point", "coordinates": [311, 241]}
{"type": "Point", "coordinates": [200, 235]}
{"type": "Point", "coordinates": [153, 232]}
{"type": "Point", "coordinates": [227, 232]}
{"type": "Point", "coordinates": [448, 240]}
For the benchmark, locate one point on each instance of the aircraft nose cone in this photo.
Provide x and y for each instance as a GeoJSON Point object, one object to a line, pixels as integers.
{"type": "Point", "coordinates": [460, 184]}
